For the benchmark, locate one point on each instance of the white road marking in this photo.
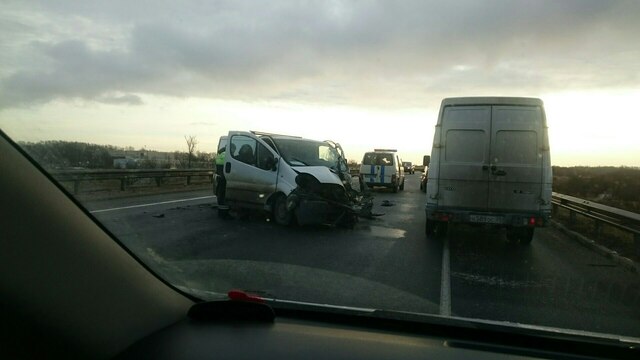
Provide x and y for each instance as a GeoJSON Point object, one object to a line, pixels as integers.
{"type": "Point", "coordinates": [445, 285]}
{"type": "Point", "coordinates": [152, 204]}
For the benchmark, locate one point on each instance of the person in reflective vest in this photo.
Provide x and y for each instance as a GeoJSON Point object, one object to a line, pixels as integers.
{"type": "Point", "coordinates": [221, 184]}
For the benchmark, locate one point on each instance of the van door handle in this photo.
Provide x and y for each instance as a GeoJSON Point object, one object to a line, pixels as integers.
{"type": "Point", "coordinates": [227, 167]}
{"type": "Point", "coordinates": [499, 172]}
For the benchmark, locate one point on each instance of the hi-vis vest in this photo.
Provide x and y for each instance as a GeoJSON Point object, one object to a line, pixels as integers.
{"type": "Point", "coordinates": [220, 158]}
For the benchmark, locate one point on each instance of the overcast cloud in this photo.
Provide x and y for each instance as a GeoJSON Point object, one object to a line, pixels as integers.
{"type": "Point", "coordinates": [359, 53]}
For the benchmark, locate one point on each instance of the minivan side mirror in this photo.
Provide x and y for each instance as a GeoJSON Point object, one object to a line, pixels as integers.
{"type": "Point", "coordinates": [426, 160]}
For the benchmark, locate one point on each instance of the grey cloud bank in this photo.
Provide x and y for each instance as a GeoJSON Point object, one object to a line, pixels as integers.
{"type": "Point", "coordinates": [364, 53]}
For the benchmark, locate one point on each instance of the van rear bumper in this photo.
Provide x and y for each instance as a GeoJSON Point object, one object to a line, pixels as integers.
{"type": "Point", "coordinates": [509, 218]}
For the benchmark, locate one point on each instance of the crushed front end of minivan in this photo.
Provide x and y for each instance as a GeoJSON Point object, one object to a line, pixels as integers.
{"type": "Point", "coordinates": [332, 201]}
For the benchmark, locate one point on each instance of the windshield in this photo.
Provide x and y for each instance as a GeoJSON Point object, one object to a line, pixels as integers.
{"type": "Point", "coordinates": [194, 132]}
{"type": "Point", "coordinates": [300, 152]}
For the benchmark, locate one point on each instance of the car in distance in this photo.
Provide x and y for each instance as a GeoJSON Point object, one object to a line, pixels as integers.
{"type": "Point", "coordinates": [408, 167]}
{"type": "Point", "coordinates": [490, 164]}
{"type": "Point", "coordinates": [382, 167]}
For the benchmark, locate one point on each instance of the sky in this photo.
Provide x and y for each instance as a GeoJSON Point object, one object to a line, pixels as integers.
{"type": "Point", "coordinates": [367, 74]}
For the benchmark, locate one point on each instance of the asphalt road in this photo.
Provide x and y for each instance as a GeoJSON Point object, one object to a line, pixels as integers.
{"type": "Point", "coordinates": [384, 263]}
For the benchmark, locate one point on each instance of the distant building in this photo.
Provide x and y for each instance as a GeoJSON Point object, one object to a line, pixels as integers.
{"type": "Point", "coordinates": [123, 162]}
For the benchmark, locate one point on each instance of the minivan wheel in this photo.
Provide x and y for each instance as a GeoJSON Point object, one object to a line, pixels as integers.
{"type": "Point", "coordinates": [281, 215]}
{"type": "Point", "coordinates": [395, 187]}
{"type": "Point", "coordinates": [402, 185]}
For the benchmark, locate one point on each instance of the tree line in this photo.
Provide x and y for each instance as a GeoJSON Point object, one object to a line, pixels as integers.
{"type": "Point", "coordinates": [614, 186]}
{"type": "Point", "coordinates": [57, 154]}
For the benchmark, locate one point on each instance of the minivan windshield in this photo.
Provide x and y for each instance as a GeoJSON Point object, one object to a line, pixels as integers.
{"type": "Point", "coordinates": [302, 152]}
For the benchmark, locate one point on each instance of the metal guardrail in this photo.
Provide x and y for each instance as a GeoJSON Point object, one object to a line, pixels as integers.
{"type": "Point", "coordinates": [602, 214]}
{"type": "Point", "coordinates": [621, 219]}
{"type": "Point", "coordinates": [125, 176]}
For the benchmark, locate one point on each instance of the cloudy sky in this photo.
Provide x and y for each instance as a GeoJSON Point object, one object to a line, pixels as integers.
{"type": "Point", "coordinates": [364, 73]}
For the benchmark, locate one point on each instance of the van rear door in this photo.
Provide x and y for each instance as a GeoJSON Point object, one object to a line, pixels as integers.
{"type": "Point", "coordinates": [377, 168]}
{"type": "Point", "coordinates": [464, 157]}
{"type": "Point", "coordinates": [515, 176]}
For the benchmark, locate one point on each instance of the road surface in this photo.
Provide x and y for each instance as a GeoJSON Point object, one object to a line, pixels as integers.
{"type": "Point", "coordinates": [384, 263]}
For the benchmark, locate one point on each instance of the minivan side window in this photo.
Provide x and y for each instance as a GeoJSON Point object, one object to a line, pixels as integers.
{"type": "Point", "coordinates": [243, 148]}
{"type": "Point", "coordinates": [266, 159]}
{"type": "Point", "coordinates": [249, 151]}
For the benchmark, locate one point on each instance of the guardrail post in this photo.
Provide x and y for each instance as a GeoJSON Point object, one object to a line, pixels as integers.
{"type": "Point", "coordinates": [597, 227]}
{"type": "Point", "coordinates": [636, 243]}
{"type": "Point", "coordinates": [188, 180]}
{"type": "Point", "coordinates": [76, 187]}
{"type": "Point", "coordinates": [158, 180]}
{"type": "Point", "coordinates": [572, 218]}
{"type": "Point", "coordinates": [123, 180]}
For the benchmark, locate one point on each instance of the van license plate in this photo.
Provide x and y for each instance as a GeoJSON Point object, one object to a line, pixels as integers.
{"type": "Point", "coordinates": [486, 219]}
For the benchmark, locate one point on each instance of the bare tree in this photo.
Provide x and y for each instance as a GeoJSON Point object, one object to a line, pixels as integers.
{"type": "Point", "coordinates": [192, 142]}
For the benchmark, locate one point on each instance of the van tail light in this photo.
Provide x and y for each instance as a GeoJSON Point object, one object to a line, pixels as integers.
{"type": "Point", "coordinates": [443, 216]}
{"type": "Point", "coordinates": [535, 221]}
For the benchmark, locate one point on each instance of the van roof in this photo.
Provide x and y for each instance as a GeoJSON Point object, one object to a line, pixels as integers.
{"type": "Point", "coordinates": [382, 150]}
{"type": "Point", "coordinates": [491, 100]}
{"type": "Point", "coordinates": [276, 136]}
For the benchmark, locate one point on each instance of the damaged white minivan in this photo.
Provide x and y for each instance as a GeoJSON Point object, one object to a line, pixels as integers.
{"type": "Point", "coordinates": [293, 179]}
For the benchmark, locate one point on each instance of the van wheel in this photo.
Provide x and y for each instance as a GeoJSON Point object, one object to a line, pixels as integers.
{"type": "Point", "coordinates": [522, 235]}
{"type": "Point", "coordinates": [441, 229]}
{"type": "Point", "coordinates": [527, 236]}
{"type": "Point", "coordinates": [395, 187]}
{"type": "Point", "coordinates": [430, 227]}
{"type": "Point", "coordinates": [402, 185]}
{"type": "Point", "coordinates": [281, 215]}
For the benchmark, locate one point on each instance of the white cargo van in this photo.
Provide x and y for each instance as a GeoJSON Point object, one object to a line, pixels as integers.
{"type": "Point", "coordinates": [382, 167]}
{"type": "Point", "coordinates": [490, 164]}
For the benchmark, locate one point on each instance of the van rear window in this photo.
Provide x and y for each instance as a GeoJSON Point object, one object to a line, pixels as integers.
{"type": "Point", "coordinates": [378, 159]}
{"type": "Point", "coordinates": [516, 147]}
{"type": "Point", "coordinates": [465, 146]}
